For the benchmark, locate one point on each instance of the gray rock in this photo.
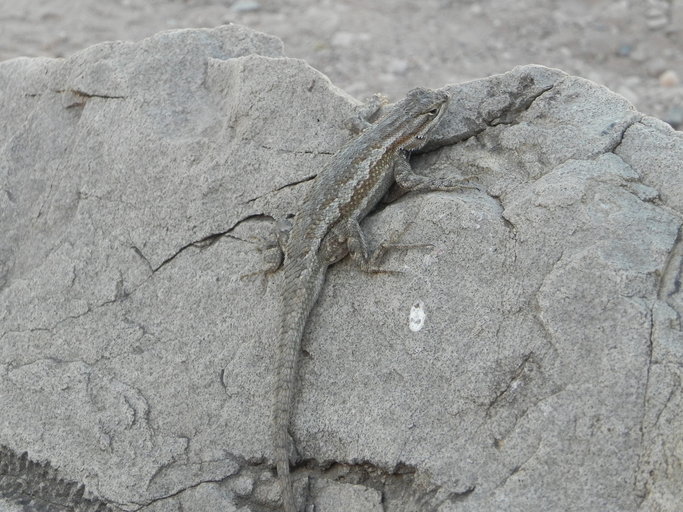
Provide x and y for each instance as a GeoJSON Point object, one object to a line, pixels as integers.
{"type": "Point", "coordinates": [333, 497]}
{"type": "Point", "coordinates": [136, 351]}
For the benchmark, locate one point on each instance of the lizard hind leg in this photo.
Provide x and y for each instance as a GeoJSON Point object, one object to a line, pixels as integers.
{"type": "Point", "coordinates": [274, 252]}
{"type": "Point", "coordinates": [271, 248]}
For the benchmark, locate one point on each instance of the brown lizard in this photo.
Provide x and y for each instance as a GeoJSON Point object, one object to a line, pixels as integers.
{"type": "Point", "coordinates": [326, 229]}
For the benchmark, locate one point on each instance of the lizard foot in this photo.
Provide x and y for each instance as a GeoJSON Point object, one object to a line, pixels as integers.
{"type": "Point", "coordinates": [417, 183]}
{"type": "Point", "coordinates": [366, 113]}
{"type": "Point", "coordinates": [373, 263]}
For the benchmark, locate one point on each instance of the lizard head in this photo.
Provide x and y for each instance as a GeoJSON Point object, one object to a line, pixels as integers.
{"type": "Point", "coordinates": [421, 111]}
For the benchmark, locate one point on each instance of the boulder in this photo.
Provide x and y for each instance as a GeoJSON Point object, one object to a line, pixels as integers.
{"type": "Point", "coordinates": [526, 355]}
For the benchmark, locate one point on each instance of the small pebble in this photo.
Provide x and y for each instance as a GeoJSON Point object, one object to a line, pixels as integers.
{"type": "Point", "coordinates": [343, 39]}
{"type": "Point", "coordinates": [245, 6]}
{"type": "Point", "coordinates": [348, 39]}
{"type": "Point", "coordinates": [669, 78]}
{"type": "Point", "coordinates": [625, 50]}
{"type": "Point", "coordinates": [397, 66]}
{"type": "Point", "coordinates": [657, 23]}
{"type": "Point", "coordinates": [674, 116]}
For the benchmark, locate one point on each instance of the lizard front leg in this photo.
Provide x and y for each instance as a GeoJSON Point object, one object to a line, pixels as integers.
{"type": "Point", "coordinates": [350, 234]}
{"type": "Point", "coordinates": [408, 180]}
{"type": "Point", "coordinates": [348, 238]}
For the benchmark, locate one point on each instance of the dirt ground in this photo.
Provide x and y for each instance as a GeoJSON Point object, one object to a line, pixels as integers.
{"type": "Point", "coordinates": [634, 47]}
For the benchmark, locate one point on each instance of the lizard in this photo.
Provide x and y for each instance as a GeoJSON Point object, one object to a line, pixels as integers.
{"type": "Point", "coordinates": [327, 228]}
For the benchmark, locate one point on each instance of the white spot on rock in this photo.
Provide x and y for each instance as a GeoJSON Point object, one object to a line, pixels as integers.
{"type": "Point", "coordinates": [416, 320]}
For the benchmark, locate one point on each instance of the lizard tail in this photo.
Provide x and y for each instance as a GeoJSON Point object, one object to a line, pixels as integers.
{"type": "Point", "coordinates": [286, 489]}
{"type": "Point", "coordinates": [302, 286]}
{"type": "Point", "coordinates": [290, 343]}
{"type": "Point", "coordinates": [282, 445]}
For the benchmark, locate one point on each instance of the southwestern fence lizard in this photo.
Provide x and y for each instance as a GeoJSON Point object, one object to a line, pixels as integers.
{"type": "Point", "coordinates": [326, 229]}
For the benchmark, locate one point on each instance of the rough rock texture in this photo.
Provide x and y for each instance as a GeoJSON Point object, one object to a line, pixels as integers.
{"type": "Point", "coordinates": [136, 351]}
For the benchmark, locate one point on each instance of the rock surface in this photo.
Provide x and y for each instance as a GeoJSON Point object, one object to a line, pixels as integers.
{"type": "Point", "coordinates": [136, 352]}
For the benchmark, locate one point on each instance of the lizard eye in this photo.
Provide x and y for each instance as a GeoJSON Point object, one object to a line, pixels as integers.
{"type": "Point", "coordinates": [433, 111]}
